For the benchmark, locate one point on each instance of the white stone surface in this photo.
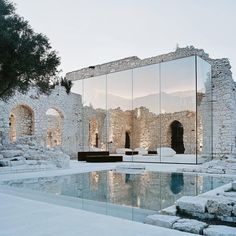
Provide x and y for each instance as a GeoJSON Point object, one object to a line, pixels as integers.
{"type": "Point", "coordinates": [220, 206]}
{"type": "Point", "coordinates": [169, 211]}
{"type": "Point", "coordinates": [11, 153]}
{"type": "Point", "coordinates": [219, 230]}
{"type": "Point", "coordinates": [191, 226]}
{"type": "Point", "coordinates": [166, 152]}
{"type": "Point", "coordinates": [234, 186]}
{"type": "Point", "coordinates": [191, 204]}
{"type": "Point", "coordinates": [27, 217]}
{"type": "Point", "coordinates": [123, 150]}
{"type": "Point", "coordinates": [161, 220]}
{"type": "Point", "coordinates": [141, 151]}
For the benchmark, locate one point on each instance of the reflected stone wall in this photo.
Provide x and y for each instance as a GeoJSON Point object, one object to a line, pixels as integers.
{"type": "Point", "coordinates": [144, 128]}
{"type": "Point", "coordinates": [215, 135]}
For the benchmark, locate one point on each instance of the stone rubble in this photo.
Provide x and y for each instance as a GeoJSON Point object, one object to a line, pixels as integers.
{"type": "Point", "coordinates": [191, 226]}
{"type": "Point", "coordinates": [219, 230]}
{"type": "Point", "coordinates": [216, 205]}
{"type": "Point", "coordinates": [27, 153]}
{"type": "Point", "coordinates": [161, 220]}
{"type": "Point", "coordinates": [227, 166]}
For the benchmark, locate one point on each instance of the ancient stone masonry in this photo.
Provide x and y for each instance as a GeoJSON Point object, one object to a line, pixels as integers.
{"type": "Point", "coordinates": [216, 134]}
{"type": "Point", "coordinates": [61, 120]}
{"type": "Point", "coordinates": [54, 120]}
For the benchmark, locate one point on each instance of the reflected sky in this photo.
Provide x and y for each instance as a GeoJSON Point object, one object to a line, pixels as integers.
{"type": "Point", "coordinates": [175, 78]}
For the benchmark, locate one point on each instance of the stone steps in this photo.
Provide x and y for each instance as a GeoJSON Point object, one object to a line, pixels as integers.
{"type": "Point", "coordinates": [199, 214]}
{"type": "Point", "coordinates": [189, 225]}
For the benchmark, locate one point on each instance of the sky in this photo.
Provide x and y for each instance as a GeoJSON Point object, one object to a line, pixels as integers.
{"type": "Point", "coordinates": [91, 32]}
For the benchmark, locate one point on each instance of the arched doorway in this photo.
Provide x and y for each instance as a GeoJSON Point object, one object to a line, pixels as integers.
{"type": "Point", "coordinates": [21, 122]}
{"type": "Point", "coordinates": [55, 121]}
{"type": "Point", "coordinates": [127, 140]}
{"type": "Point", "coordinates": [177, 132]}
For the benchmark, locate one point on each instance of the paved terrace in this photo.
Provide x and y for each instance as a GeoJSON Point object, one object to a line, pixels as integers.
{"type": "Point", "coordinates": [21, 216]}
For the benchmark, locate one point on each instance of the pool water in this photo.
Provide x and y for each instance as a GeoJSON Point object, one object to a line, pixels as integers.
{"type": "Point", "coordinates": [123, 194]}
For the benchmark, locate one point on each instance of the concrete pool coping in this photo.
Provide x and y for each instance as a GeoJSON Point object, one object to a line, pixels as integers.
{"type": "Point", "coordinates": [82, 167]}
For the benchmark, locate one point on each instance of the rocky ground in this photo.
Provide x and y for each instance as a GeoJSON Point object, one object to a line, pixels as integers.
{"type": "Point", "coordinates": [199, 214]}
{"type": "Point", "coordinates": [25, 154]}
{"type": "Point", "coordinates": [216, 166]}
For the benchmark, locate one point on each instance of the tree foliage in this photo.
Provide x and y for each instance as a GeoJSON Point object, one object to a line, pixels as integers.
{"type": "Point", "coordinates": [26, 57]}
{"type": "Point", "coordinates": [63, 82]}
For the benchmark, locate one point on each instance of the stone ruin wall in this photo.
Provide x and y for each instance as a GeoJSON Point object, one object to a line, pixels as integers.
{"type": "Point", "coordinates": [74, 133]}
{"type": "Point", "coordinates": [94, 121]}
{"type": "Point", "coordinates": [222, 104]}
{"type": "Point", "coordinates": [69, 106]}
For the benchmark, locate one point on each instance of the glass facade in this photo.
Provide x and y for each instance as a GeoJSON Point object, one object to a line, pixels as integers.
{"type": "Point", "coordinates": [152, 110]}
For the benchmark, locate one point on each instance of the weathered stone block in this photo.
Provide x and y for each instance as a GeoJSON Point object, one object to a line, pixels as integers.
{"type": "Point", "coordinates": [161, 220]}
{"type": "Point", "coordinates": [220, 206]}
{"type": "Point", "coordinates": [191, 226]}
{"type": "Point", "coordinates": [171, 211]}
{"type": "Point", "coordinates": [234, 186]}
{"type": "Point", "coordinates": [219, 230]}
{"type": "Point", "coordinates": [234, 210]}
{"type": "Point", "coordinates": [190, 204]}
{"type": "Point", "coordinates": [11, 153]}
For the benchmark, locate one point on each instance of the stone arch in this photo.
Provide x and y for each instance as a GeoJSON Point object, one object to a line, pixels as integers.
{"type": "Point", "coordinates": [55, 124]}
{"type": "Point", "coordinates": [21, 122]}
{"type": "Point", "coordinates": [127, 140]}
{"type": "Point", "coordinates": [176, 136]}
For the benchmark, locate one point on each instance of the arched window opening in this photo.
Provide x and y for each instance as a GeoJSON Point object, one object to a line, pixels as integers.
{"type": "Point", "coordinates": [21, 122]}
{"type": "Point", "coordinates": [54, 127]}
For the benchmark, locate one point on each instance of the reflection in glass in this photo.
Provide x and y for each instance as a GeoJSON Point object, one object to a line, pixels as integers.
{"type": "Point", "coordinates": [94, 111]}
{"type": "Point", "coordinates": [146, 101]}
{"type": "Point", "coordinates": [204, 110]}
{"type": "Point", "coordinates": [165, 105]}
{"type": "Point", "coordinates": [178, 107]}
{"type": "Point", "coordinates": [119, 110]}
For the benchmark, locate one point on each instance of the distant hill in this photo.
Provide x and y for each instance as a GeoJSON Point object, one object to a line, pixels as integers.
{"type": "Point", "coordinates": [171, 102]}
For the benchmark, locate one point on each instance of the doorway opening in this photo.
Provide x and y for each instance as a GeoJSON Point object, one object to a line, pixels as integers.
{"type": "Point", "coordinates": [177, 133]}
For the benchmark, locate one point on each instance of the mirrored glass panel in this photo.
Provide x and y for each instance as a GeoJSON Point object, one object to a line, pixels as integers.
{"type": "Point", "coordinates": [146, 111]}
{"type": "Point", "coordinates": [119, 112]}
{"type": "Point", "coordinates": [204, 111]}
{"type": "Point", "coordinates": [178, 111]}
{"type": "Point", "coordinates": [94, 110]}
